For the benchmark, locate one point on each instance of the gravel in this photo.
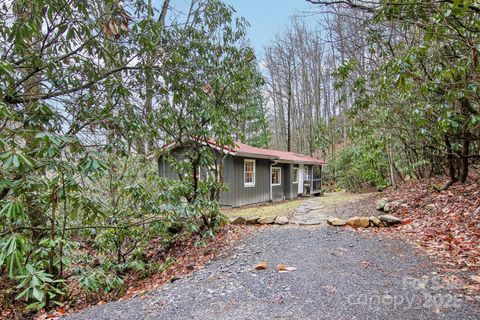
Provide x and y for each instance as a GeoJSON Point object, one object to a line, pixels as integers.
{"type": "Point", "coordinates": [341, 274]}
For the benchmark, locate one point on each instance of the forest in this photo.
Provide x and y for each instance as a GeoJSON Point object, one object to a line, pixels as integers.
{"type": "Point", "coordinates": [90, 91]}
{"type": "Point", "coordinates": [386, 92]}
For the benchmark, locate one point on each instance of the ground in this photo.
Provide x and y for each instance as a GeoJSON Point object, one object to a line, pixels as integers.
{"type": "Point", "coordinates": [311, 210]}
{"type": "Point", "coordinates": [279, 209]}
{"type": "Point", "coordinates": [340, 274]}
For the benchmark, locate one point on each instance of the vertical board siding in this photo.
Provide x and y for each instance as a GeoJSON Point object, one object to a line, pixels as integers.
{"type": "Point", "coordinates": [233, 177]}
{"type": "Point", "coordinates": [258, 193]}
{"type": "Point", "coordinates": [289, 188]}
{"type": "Point", "coordinates": [167, 170]}
{"type": "Point", "coordinates": [227, 198]}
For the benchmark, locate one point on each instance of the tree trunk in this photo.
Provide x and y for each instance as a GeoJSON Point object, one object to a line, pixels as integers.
{"type": "Point", "coordinates": [464, 161]}
{"type": "Point", "coordinates": [450, 164]}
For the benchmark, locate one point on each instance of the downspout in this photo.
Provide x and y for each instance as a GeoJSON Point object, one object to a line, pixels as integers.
{"type": "Point", "coordinates": [271, 187]}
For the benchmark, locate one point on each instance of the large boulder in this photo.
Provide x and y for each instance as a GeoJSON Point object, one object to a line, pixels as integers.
{"type": "Point", "coordinates": [336, 222]}
{"type": "Point", "coordinates": [381, 203]}
{"type": "Point", "coordinates": [359, 222]}
{"type": "Point", "coordinates": [267, 220]}
{"type": "Point", "coordinates": [389, 219]}
{"type": "Point", "coordinates": [281, 220]}
{"type": "Point", "coordinates": [376, 222]}
{"type": "Point", "coordinates": [238, 220]}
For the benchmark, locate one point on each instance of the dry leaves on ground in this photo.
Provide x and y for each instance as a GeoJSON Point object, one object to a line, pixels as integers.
{"type": "Point", "coordinates": [446, 224]}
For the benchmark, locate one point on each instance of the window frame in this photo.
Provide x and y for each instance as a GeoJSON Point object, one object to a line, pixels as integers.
{"type": "Point", "coordinates": [279, 176]}
{"type": "Point", "coordinates": [295, 177]}
{"type": "Point", "coordinates": [249, 184]}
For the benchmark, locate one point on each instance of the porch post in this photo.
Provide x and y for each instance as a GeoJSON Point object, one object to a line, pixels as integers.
{"type": "Point", "coordinates": [311, 180]}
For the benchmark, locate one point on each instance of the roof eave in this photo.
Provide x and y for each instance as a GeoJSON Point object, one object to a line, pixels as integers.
{"type": "Point", "coordinates": [254, 155]}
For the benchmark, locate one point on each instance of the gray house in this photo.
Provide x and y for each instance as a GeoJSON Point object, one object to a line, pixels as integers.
{"type": "Point", "coordinates": [255, 175]}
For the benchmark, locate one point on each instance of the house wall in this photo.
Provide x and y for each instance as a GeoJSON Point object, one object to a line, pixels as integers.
{"type": "Point", "coordinates": [249, 195]}
{"type": "Point", "coordinates": [228, 198]}
{"type": "Point", "coordinates": [168, 171]}
{"type": "Point", "coordinates": [290, 189]}
{"type": "Point", "coordinates": [278, 192]}
{"type": "Point", "coordinates": [233, 177]}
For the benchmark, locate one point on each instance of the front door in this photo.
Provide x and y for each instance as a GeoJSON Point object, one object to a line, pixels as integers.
{"type": "Point", "coordinates": [300, 179]}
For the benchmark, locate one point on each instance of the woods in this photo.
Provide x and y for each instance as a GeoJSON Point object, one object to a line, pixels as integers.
{"type": "Point", "coordinates": [387, 91]}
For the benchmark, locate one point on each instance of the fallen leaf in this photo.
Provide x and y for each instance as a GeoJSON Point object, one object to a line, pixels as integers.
{"type": "Point", "coordinates": [281, 267]}
{"type": "Point", "coordinates": [261, 265]}
{"type": "Point", "coordinates": [365, 263]}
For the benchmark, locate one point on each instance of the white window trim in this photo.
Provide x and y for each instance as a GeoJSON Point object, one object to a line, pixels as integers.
{"type": "Point", "coordinates": [249, 184]}
{"type": "Point", "coordinates": [295, 181]}
{"type": "Point", "coordinates": [279, 176]}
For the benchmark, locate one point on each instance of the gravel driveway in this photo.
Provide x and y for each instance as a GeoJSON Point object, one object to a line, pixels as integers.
{"type": "Point", "coordinates": [341, 274]}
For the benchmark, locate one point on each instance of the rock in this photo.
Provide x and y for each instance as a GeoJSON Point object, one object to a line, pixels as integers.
{"type": "Point", "coordinates": [389, 206]}
{"type": "Point", "coordinates": [389, 219]}
{"type": "Point", "coordinates": [336, 222]}
{"type": "Point", "coordinates": [376, 222]}
{"type": "Point", "coordinates": [252, 220]}
{"type": "Point", "coordinates": [267, 220]}
{"type": "Point", "coordinates": [281, 220]}
{"type": "Point", "coordinates": [238, 220]}
{"type": "Point", "coordinates": [381, 203]}
{"type": "Point", "coordinates": [360, 222]}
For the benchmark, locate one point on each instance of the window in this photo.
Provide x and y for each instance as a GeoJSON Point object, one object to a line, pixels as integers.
{"type": "Point", "coordinates": [249, 173]}
{"type": "Point", "coordinates": [306, 174]}
{"type": "Point", "coordinates": [276, 176]}
{"type": "Point", "coordinates": [295, 175]}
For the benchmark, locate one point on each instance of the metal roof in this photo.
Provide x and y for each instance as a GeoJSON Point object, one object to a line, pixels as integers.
{"type": "Point", "coordinates": [245, 150]}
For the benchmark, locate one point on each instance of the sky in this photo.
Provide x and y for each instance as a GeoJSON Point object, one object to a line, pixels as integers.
{"type": "Point", "coordinates": [268, 17]}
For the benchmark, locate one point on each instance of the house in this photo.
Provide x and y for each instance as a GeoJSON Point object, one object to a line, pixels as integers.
{"type": "Point", "coordinates": [255, 175]}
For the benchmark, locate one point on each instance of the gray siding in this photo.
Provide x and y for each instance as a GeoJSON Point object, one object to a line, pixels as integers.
{"type": "Point", "coordinates": [278, 192]}
{"type": "Point", "coordinates": [227, 198]}
{"type": "Point", "coordinates": [233, 177]}
{"type": "Point", "coordinates": [289, 188]}
{"type": "Point", "coordinates": [258, 193]}
{"type": "Point", "coordinates": [165, 169]}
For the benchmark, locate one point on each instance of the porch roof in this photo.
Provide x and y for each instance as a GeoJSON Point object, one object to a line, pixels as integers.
{"type": "Point", "coordinates": [245, 150]}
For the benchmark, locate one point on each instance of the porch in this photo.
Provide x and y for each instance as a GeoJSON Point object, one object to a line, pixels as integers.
{"type": "Point", "coordinates": [312, 184]}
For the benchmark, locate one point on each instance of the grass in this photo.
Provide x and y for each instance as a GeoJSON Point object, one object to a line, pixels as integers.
{"type": "Point", "coordinates": [335, 198]}
{"type": "Point", "coordinates": [279, 209]}
{"type": "Point", "coordinates": [286, 208]}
